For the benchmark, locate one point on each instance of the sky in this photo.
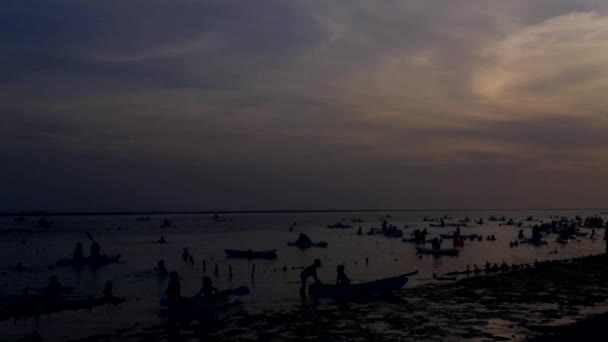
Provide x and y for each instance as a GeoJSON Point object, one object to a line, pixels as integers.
{"type": "Point", "coordinates": [303, 104]}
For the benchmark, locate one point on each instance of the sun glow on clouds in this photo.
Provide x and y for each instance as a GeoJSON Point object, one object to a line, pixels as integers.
{"type": "Point", "coordinates": [557, 66]}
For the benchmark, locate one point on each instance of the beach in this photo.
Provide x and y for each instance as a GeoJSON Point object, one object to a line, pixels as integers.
{"type": "Point", "coordinates": [505, 305]}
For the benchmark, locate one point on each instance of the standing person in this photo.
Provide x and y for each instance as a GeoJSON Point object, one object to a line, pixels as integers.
{"type": "Point", "coordinates": [606, 237]}
{"type": "Point", "coordinates": [310, 271]}
{"type": "Point", "coordinates": [95, 252]}
{"type": "Point", "coordinates": [342, 278]}
{"type": "Point", "coordinates": [173, 294]}
{"type": "Point", "coordinates": [78, 256]}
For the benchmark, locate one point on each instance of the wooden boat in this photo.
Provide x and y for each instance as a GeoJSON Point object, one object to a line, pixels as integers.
{"type": "Point", "coordinates": [441, 251]}
{"type": "Point", "coordinates": [360, 290]}
{"type": "Point", "coordinates": [102, 260]}
{"type": "Point", "coordinates": [249, 254]}
{"type": "Point", "coordinates": [464, 236]}
{"type": "Point", "coordinates": [339, 226]}
{"type": "Point", "coordinates": [321, 244]}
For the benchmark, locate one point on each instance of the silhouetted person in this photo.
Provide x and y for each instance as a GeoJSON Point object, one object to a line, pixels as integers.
{"type": "Point", "coordinates": [53, 289]}
{"type": "Point", "coordinates": [162, 239]}
{"type": "Point", "coordinates": [107, 290]}
{"type": "Point", "coordinates": [173, 293]}
{"type": "Point", "coordinates": [342, 278]}
{"type": "Point", "coordinates": [207, 290]}
{"type": "Point", "coordinates": [435, 244]}
{"type": "Point", "coordinates": [78, 255]}
{"type": "Point", "coordinates": [185, 255]}
{"type": "Point", "coordinates": [310, 271]}
{"type": "Point", "coordinates": [161, 269]}
{"type": "Point", "coordinates": [521, 234]}
{"type": "Point", "coordinates": [360, 231]}
{"type": "Point", "coordinates": [606, 238]}
{"type": "Point", "coordinates": [191, 260]}
{"type": "Point", "coordinates": [95, 252]}
{"type": "Point", "coordinates": [304, 239]}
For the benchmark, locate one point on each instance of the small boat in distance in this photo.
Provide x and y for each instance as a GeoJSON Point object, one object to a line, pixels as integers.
{"type": "Point", "coordinates": [249, 254]}
{"type": "Point", "coordinates": [444, 251]}
{"type": "Point", "coordinates": [339, 225]}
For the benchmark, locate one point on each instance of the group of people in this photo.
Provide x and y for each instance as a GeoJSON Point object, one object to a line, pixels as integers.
{"type": "Point", "coordinates": [311, 272]}
{"type": "Point", "coordinates": [94, 256]}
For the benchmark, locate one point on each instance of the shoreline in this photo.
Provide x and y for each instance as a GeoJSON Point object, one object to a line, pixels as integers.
{"type": "Point", "coordinates": [557, 300]}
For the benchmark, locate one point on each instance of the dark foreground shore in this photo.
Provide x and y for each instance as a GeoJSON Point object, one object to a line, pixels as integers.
{"type": "Point", "coordinates": [554, 301]}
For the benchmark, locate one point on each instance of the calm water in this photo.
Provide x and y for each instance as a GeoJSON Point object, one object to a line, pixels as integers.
{"type": "Point", "coordinates": [135, 280]}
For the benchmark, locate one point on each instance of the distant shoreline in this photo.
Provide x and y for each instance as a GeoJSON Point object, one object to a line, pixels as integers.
{"type": "Point", "coordinates": [287, 211]}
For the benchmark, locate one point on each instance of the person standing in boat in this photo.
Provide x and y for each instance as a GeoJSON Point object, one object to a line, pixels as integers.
{"type": "Point", "coordinates": [342, 278]}
{"type": "Point", "coordinates": [310, 271]}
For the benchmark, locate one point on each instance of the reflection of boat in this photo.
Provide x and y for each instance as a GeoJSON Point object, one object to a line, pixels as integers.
{"type": "Point", "coordinates": [362, 289]}
{"type": "Point", "coordinates": [249, 254]}
{"type": "Point", "coordinates": [441, 251]}
{"type": "Point", "coordinates": [102, 260]}
{"type": "Point", "coordinates": [308, 245]}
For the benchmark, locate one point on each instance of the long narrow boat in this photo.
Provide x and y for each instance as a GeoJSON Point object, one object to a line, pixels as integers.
{"type": "Point", "coordinates": [102, 260]}
{"type": "Point", "coordinates": [249, 254]}
{"type": "Point", "coordinates": [359, 290]}
{"type": "Point", "coordinates": [321, 244]}
{"type": "Point", "coordinates": [443, 251]}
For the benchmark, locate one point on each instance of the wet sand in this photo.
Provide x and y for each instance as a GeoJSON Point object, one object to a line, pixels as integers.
{"type": "Point", "coordinates": [553, 301]}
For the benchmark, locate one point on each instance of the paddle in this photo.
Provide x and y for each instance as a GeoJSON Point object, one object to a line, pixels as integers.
{"type": "Point", "coordinates": [241, 291]}
{"type": "Point", "coordinates": [409, 274]}
{"type": "Point", "coordinates": [93, 240]}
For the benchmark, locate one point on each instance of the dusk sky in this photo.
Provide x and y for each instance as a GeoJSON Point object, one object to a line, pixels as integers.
{"type": "Point", "coordinates": [303, 104]}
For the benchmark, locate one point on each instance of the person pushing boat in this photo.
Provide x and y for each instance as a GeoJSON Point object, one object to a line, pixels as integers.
{"type": "Point", "coordinates": [310, 271]}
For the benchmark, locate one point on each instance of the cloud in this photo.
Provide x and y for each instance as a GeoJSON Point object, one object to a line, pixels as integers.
{"type": "Point", "coordinates": [268, 104]}
{"type": "Point", "coordinates": [554, 67]}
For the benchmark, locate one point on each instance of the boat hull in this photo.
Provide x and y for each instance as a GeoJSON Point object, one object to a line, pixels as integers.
{"type": "Point", "coordinates": [358, 290]}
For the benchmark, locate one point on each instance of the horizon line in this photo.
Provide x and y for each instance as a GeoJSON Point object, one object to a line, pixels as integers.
{"type": "Point", "coordinates": [268, 211]}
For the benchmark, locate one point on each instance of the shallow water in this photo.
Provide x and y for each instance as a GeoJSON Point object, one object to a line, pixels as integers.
{"type": "Point", "coordinates": [206, 239]}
